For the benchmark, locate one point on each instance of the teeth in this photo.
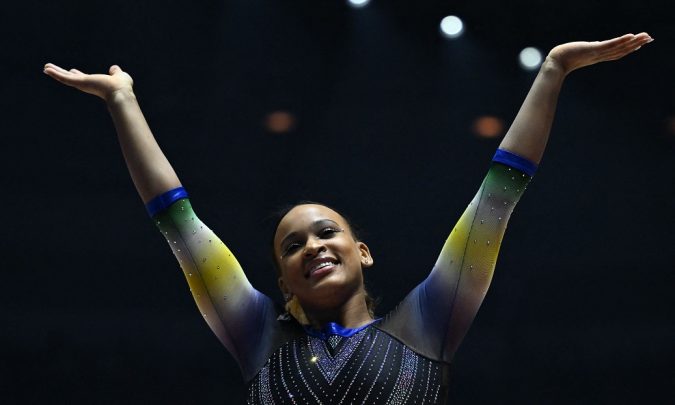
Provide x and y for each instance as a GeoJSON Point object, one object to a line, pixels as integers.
{"type": "Point", "coordinates": [320, 266]}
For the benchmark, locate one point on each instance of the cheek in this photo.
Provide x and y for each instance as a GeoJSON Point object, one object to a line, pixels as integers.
{"type": "Point", "coordinates": [351, 250]}
{"type": "Point", "coordinates": [291, 267]}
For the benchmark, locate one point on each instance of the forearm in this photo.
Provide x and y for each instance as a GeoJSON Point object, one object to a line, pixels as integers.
{"type": "Point", "coordinates": [150, 171]}
{"type": "Point", "coordinates": [450, 297]}
{"type": "Point", "coordinates": [529, 132]}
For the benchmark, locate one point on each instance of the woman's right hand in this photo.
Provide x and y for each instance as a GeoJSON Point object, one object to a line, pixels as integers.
{"type": "Point", "coordinates": [101, 85]}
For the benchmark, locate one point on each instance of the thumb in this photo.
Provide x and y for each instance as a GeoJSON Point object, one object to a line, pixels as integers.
{"type": "Point", "coordinates": [114, 69]}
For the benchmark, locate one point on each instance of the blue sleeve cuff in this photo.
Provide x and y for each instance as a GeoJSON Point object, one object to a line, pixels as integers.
{"type": "Point", "coordinates": [164, 200]}
{"type": "Point", "coordinates": [517, 162]}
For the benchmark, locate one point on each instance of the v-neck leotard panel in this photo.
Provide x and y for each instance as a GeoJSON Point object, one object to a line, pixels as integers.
{"type": "Point", "coordinates": [402, 358]}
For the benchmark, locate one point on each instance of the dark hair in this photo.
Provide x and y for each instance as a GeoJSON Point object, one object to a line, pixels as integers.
{"type": "Point", "coordinates": [281, 212]}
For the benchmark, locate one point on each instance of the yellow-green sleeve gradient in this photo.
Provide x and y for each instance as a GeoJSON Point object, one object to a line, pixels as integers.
{"type": "Point", "coordinates": [436, 315]}
{"type": "Point", "coordinates": [236, 312]}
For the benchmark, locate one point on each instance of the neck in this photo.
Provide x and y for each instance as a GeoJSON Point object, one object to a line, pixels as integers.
{"type": "Point", "coordinates": [352, 314]}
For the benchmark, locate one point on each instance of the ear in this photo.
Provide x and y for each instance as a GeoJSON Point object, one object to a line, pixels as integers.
{"type": "Point", "coordinates": [282, 285]}
{"type": "Point", "coordinates": [366, 258]}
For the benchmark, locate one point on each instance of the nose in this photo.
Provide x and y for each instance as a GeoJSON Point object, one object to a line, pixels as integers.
{"type": "Point", "coordinates": [313, 246]}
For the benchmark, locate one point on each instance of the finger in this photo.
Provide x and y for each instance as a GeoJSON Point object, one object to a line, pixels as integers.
{"type": "Point", "coordinates": [644, 40]}
{"type": "Point", "coordinates": [613, 42]}
{"type": "Point", "coordinates": [57, 71]}
{"type": "Point", "coordinates": [622, 49]}
{"type": "Point", "coordinates": [62, 70]}
{"type": "Point", "coordinates": [620, 53]}
{"type": "Point", "coordinates": [640, 40]}
{"type": "Point", "coordinates": [58, 76]}
{"type": "Point", "coordinates": [63, 76]}
{"type": "Point", "coordinates": [633, 45]}
{"type": "Point", "coordinates": [77, 71]}
{"type": "Point", "coordinates": [645, 35]}
{"type": "Point", "coordinates": [114, 69]}
{"type": "Point", "coordinates": [619, 44]}
{"type": "Point", "coordinates": [53, 66]}
{"type": "Point", "coordinates": [629, 41]}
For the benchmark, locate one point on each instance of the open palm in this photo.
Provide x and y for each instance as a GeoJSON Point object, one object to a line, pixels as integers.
{"type": "Point", "coordinates": [101, 85]}
{"type": "Point", "coordinates": [575, 55]}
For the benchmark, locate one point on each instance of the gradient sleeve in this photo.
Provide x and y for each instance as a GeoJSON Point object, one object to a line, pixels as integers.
{"type": "Point", "coordinates": [237, 313]}
{"type": "Point", "coordinates": [436, 315]}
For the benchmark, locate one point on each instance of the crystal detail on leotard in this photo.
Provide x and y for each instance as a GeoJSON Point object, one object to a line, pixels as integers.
{"type": "Point", "coordinates": [374, 368]}
{"type": "Point", "coordinates": [329, 364]}
{"type": "Point", "coordinates": [334, 340]}
{"type": "Point", "coordinates": [408, 368]}
{"type": "Point", "coordinates": [264, 390]}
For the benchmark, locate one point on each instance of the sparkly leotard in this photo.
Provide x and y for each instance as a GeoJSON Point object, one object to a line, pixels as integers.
{"type": "Point", "coordinates": [402, 358]}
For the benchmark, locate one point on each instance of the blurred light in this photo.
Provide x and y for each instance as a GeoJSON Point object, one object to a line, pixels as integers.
{"type": "Point", "coordinates": [358, 3]}
{"type": "Point", "coordinates": [452, 26]}
{"type": "Point", "coordinates": [279, 122]}
{"type": "Point", "coordinates": [530, 58]}
{"type": "Point", "coordinates": [488, 126]}
{"type": "Point", "coordinates": [670, 125]}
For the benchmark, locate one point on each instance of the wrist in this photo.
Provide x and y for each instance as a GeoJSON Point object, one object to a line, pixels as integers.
{"type": "Point", "coordinates": [552, 66]}
{"type": "Point", "coordinates": [120, 96]}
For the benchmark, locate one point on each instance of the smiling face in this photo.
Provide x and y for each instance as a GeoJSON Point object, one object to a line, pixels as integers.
{"type": "Point", "coordinates": [319, 259]}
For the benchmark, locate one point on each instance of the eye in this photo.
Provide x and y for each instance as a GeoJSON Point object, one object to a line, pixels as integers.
{"type": "Point", "coordinates": [328, 232]}
{"type": "Point", "coordinates": [292, 247]}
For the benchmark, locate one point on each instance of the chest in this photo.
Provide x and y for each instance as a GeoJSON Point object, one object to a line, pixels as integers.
{"type": "Point", "coordinates": [369, 367]}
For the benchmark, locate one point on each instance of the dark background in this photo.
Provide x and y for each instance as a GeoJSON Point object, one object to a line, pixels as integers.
{"type": "Point", "coordinates": [95, 309]}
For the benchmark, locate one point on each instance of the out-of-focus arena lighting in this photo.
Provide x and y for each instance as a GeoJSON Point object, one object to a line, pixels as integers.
{"type": "Point", "coordinates": [452, 26]}
{"type": "Point", "coordinates": [279, 122]}
{"type": "Point", "coordinates": [530, 58]}
{"type": "Point", "coordinates": [670, 125]}
{"type": "Point", "coordinates": [358, 3]}
{"type": "Point", "coordinates": [488, 126]}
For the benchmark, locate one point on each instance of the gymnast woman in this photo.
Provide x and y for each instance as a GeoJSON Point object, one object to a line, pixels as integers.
{"type": "Point", "coordinates": [327, 347]}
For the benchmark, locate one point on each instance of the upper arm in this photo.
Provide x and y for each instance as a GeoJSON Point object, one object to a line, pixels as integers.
{"type": "Point", "coordinates": [236, 312]}
{"type": "Point", "coordinates": [463, 272]}
{"type": "Point", "coordinates": [437, 313]}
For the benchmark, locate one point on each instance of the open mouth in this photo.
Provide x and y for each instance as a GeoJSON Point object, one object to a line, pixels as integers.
{"type": "Point", "coordinates": [320, 266]}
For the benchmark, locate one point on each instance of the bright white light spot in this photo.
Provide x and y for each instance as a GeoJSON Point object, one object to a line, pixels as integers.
{"type": "Point", "coordinates": [530, 58]}
{"type": "Point", "coordinates": [358, 3]}
{"type": "Point", "coordinates": [452, 26]}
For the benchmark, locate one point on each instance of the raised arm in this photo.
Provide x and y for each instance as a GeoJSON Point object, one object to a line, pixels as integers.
{"type": "Point", "coordinates": [150, 171]}
{"type": "Point", "coordinates": [241, 317]}
{"type": "Point", "coordinates": [438, 313]}
{"type": "Point", "coordinates": [529, 132]}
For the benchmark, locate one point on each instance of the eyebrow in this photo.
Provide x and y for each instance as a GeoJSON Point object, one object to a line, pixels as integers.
{"type": "Point", "coordinates": [313, 225]}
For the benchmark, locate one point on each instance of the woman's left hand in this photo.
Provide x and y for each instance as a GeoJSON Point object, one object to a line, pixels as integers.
{"type": "Point", "coordinates": [575, 55]}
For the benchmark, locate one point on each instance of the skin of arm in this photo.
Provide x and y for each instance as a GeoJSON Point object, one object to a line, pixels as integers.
{"type": "Point", "coordinates": [453, 281]}
{"type": "Point", "coordinates": [445, 304]}
{"type": "Point", "coordinates": [527, 138]}
{"type": "Point", "coordinates": [528, 134]}
{"type": "Point", "coordinates": [239, 315]}
{"type": "Point", "coordinates": [150, 171]}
